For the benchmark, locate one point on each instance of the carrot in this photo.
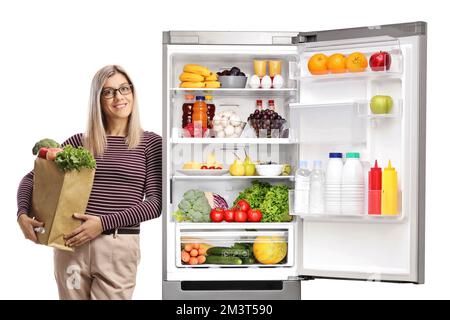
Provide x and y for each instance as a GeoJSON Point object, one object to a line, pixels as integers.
{"type": "Point", "coordinates": [188, 247]}
{"type": "Point", "coordinates": [185, 256]}
{"type": "Point", "coordinates": [196, 246]}
{"type": "Point", "coordinates": [201, 259]}
{"type": "Point", "coordinates": [194, 252]}
{"type": "Point", "coordinates": [193, 260]}
{"type": "Point", "coordinates": [202, 251]}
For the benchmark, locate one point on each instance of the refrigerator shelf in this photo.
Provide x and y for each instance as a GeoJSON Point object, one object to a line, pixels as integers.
{"type": "Point", "coordinates": [281, 92]}
{"type": "Point", "coordinates": [228, 177]}
{"type": "Point", "coordinates": [233, 225]}
{"type": "Point", "coordinates": [238, 141]}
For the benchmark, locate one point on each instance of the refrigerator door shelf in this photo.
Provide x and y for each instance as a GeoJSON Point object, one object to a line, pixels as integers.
{"type": "Point", "coordinates": [356, 217]}
{"type": "Point", "coordinates": [365, 110]}
{"type": "Point", "coordinates": [368, 49]}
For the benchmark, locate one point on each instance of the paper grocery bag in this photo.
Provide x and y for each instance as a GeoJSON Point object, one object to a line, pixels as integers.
{"type": "Point", "coordinates": [57, 195]}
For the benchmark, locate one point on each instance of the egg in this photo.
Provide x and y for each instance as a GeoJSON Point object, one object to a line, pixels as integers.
{"type": "Point", "coordinates": [255, 82]}
{"type": "Point", "coordinates": [278, 81]}
{"type": "Point", "coordinates": [266, 82]}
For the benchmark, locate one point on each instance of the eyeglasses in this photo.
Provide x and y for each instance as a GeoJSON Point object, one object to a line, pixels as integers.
{"type": "Point", "coordinates": [110, 93]}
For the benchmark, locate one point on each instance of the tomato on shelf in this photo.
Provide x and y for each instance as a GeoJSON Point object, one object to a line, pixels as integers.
{"type": "Point", "coordinates": [229, 215]}
{"type": "Point", "coordinates": [216, 215]}
{"type": "Point", "coordinates": [240, 216]}
{"type": "Point", "coordinates": [243, 205]}
{"type": "Point", "coordinates": [254, 215]}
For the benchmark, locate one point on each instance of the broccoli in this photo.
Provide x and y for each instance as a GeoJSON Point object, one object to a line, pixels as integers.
{"type": "Point", "coordinates": [45, 143]}
{"type": "Point", "coordinates": [193, 207]}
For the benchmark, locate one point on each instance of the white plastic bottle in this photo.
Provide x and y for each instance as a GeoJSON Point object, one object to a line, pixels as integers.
{"type": "Point", "coordinates": [302, 188]}
{"type": "Point", "coordinates": [333, 182]}
{"type": "Point", "coordinates": [352, 194]}
{"type": "Point", "coordinates": [317, 188]}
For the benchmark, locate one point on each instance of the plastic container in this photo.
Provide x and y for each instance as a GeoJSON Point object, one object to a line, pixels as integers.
{"type": "Point", "coordinates": [375, 184]}
{"type": "Point", "coordinates": [200, 112]}
{"type": "Point", "coordinates": [302, 185]}
{"type": "Point", "coordinates": [317, 194]}
{"type": "Point", "coordinates": [333, 181]}
{"type": "Point", "coordinates": [352, 189]}
{"type": "Point", "coordinates": [389, 197]}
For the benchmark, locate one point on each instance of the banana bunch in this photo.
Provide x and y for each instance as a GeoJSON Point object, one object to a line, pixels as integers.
{"type": "Point", "coordinates": [196, 76]}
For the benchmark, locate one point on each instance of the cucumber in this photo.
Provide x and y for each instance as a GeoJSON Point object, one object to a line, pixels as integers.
{"type": "Point", "coordinates": [228, 252]}
{"type": "Point", "coordinates": [249, 260]}
{"type": "Point", "coordinates": [223, 260]}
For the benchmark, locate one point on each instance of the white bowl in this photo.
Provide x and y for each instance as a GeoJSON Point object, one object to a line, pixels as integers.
{"type": "Point", "coordinates": [269, 169]}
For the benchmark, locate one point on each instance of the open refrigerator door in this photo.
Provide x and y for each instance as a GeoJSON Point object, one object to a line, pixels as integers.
{"type": "Point", "coordinates": [360, 233]}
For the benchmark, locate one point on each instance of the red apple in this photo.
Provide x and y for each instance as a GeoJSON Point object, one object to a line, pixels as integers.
{"type": "Point", "coordinates": [380, 61]}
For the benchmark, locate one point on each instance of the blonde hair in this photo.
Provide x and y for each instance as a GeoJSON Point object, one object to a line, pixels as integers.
{"type": "Point", "coordinates": [95, 137]}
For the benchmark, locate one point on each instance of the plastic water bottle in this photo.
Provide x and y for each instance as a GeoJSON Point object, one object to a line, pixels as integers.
{"type": "Point", "coordinates": [302, 188]}
{"type": "Point", "coordinates": [317, 189]}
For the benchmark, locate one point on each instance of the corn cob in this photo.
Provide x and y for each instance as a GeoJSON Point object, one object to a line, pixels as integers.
{"type": "Point", "coordinates": [195, 68]}
{"type": "Point", "coordinates": [191, 77]}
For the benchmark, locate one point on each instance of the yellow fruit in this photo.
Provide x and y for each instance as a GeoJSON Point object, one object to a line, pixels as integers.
{"type": "Point", "coordinates": [197, 69]}
{"type": "Point", "coordinates": [237, 168]}
{"type": "Point", "coordinates": [212, 77]}
{"type": "Point", "coordinates": [269, 249]}
{"type": "Point", "coordinates": [212, 84]}
{"type": "Point", "coordinates": [191, 77]}
{"type": "Point", "coordinates": [192, 165]}
{"type": "Point", "coordinates": [192, 85]}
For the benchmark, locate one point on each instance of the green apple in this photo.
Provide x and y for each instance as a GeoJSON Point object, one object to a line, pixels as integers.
{"type": "Point", "coordinates": [381, 104]}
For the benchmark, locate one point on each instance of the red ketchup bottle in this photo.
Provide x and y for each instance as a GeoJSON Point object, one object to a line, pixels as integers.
{"type": "Point", "coordinates": [375, 176]}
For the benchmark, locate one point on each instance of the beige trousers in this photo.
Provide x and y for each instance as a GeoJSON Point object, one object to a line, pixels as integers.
{"type": "Point", "coordinates": [104, 268]}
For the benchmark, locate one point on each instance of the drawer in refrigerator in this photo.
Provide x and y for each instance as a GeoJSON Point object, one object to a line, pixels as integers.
{"type": "Point", "coordinates": [235, 248]}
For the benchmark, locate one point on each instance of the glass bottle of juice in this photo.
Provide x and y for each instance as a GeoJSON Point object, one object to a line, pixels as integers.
{"type": "Point", "coordinates": [188, 107]}
{"type": "Point", "coordinates": [211, 110]}
{"type": "Point", "coordinates": [200, 117]}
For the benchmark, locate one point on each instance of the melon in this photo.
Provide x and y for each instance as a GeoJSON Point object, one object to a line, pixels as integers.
{"type": "Point", "coordinates": [269, 249]}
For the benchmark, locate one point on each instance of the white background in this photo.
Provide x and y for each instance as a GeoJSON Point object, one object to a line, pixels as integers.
{"type": "Point", "coordinates": [50, 50]}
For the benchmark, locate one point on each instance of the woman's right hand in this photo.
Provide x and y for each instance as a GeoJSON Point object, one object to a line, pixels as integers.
{"type": "Point", "coordinates": [27, 225]}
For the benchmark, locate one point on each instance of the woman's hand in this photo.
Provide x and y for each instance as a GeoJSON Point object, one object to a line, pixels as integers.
{"type": "Point", "coordinates": [27, 225]}
{"type": "Point", "coordinates": [89, 230]}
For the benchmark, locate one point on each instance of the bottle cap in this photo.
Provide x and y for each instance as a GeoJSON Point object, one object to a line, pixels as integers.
{"type": "Point", "coordinates": [352, 155]}
{"type": "Point", "coordinates": [208, 97]}
{"type": "Point", "coordinates": [335, 155]}
{"type": "Point", "coordinates": [200, 98]}
{"type": "Point", "coordinates": [303, 164]}
{"type": "Point", "coordinates": [389, 167]}
{"type": "Point", "coordinates": [189, 97]}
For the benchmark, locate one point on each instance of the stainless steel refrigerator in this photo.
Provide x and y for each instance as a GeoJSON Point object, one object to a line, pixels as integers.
{"type": "Point", "coordinates": [324, 113]}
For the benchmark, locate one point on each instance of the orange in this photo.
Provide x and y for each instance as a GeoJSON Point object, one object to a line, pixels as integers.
{"type": "Point", "coordinates": [356, 62]}
{"type": "Point", "coordinates": [337, 63]}
{"type": "Point", "coordinates": [317, 64]}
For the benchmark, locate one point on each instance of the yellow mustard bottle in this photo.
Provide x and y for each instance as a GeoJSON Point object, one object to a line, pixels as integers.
{"type": "Point", "coordinates": [389, 195]}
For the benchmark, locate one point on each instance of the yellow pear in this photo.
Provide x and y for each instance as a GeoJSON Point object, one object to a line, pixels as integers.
{"type": "Point", "coordinates": [237, 168]}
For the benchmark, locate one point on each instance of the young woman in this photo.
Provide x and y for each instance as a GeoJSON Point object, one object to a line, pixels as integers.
{"type": "Point", "coordinates": [127, 190]}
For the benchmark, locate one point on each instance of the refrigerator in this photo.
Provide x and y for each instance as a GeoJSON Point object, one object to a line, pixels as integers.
{"type": "Point", "coordinates": [323, 112]}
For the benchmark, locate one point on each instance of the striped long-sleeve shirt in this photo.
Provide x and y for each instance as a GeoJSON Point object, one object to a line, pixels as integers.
{"type": "Point", "coordinates": [127, 185]}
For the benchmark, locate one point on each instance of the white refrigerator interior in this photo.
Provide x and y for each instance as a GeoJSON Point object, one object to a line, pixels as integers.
{"type": "Point", "coordinates": [324, 113]}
